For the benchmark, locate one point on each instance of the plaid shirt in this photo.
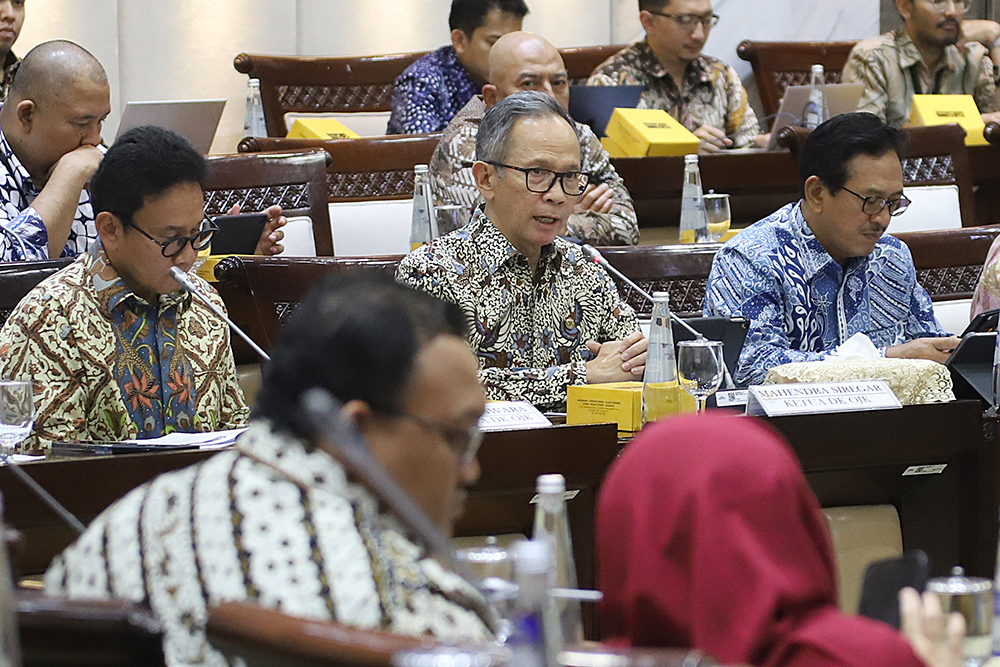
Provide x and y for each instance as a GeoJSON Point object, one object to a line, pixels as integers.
{"type": "Point", "coordinates": [452, 181]}
{"type": "Point", "coordinates": [528, 332]}
{"type": "Point", "coordinates": [23, 235]}
{"type": "Point", "coordinates": [710, 94]}
{"type": "Point", "coordinates": [887, 65]}
{"type": "Point", "coordinates": [802, 304]}
{"type": "Point", "coordinates": [429, 92]}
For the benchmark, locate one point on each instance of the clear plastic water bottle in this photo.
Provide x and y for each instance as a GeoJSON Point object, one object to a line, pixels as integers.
{"type": "Point", "coordinates": [551, 524]}
{"type": "Point", "coordinates": [694, 221]}
{"type": "Point", "coordinates": [660, 390]}
{"type": "Point", "coordinates": [816, 112]}
{"type": "Point", "coordinates": [253, 122]}
{"type": "Point", "coordinates": [536, 639]}
{"type": "Point", "coordinates": [420, 222]}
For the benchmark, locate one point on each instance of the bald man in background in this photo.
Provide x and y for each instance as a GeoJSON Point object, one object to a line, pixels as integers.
{"type": "Point", "coordinates": [50, 136]}
{"type": "Point", "coordinates": [524, 61]}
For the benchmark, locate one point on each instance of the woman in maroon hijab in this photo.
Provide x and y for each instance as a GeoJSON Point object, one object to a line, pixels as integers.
{"type": "Point", "coordinates": [708, 537]}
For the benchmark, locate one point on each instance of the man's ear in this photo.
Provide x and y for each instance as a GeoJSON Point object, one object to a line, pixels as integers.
{"type": "Point", "coordinates": [459, 41]}
{"type": "Point", "coordinates": [26, 112]}
{"type": "Point", "coordinates": [110, 229]}
{"type": "Point", "coordinates": [646, 19]}
{"type": "Point", "coordinates": [815, 193]}
{"type": "Point", "coordinates": [491, 95]}
{"type": "Point", "coordinates": [905, 8]}
{"type": "Point", "coordinates": [485, 177]}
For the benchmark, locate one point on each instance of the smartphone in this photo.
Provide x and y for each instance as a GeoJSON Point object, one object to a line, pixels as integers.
{"type": "Point", "coordinates": [238, 234]}
{"type": "Point", "coordinates": [883, 581]}
{"type": "Point", "coordinates": [984, 322]}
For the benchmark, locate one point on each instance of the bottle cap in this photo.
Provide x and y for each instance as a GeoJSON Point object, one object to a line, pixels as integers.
{"type": "Point", "coordinates": [551, 484]}
{"type": "Point", "coordinates": [661, 296]}
{"type": "Point", "coordinates": [420, 169]}
{"type": "Point", "coordinates": [691, 158]}
{"type": "Point", "coordinates": [817, 69]}
{"type": "Point", "coordinates": [532, 556]}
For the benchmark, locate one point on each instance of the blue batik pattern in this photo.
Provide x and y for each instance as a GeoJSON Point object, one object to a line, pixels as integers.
{"type": "Point", "coordinates": [23, 235]}
{"type": "Point", "coordinates": [429, 93]}
{"type": "Point", "coordinates": [801, 303]}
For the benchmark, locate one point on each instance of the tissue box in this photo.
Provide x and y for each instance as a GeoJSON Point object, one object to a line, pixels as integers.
{"type": "Point", "coordinates": [639, 132]}
{"type": "Point", "coordinates": [944, 109]}
{"type": "Point", "coordinates": [320, 128]}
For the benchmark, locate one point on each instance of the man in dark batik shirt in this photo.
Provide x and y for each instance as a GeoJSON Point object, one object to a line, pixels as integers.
{"type": "Point", "coordinates": [432, 90]}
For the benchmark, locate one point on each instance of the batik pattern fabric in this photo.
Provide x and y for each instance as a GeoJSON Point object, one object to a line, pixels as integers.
{"type": "Point", "coordinates": [711, 92]}
{"type": "Point", "coordinates": [429, 93]}
{"type": "Point", "coordinates": [987, 294]}
{"type": "Point", "coordinates": [23, 235]}
{"type": "Point", "coordinates": [886, 66]}
{"type": "Point", "coordinates": [109, 366]}
{"type": "Point", "coordinates": [801, 304]}
{"type": "Point", "coordinates": [529, 333]}
{"type": "Point", "coordinates": [453, 184]}
{"type": "Point", "coordinates": [274, 524]}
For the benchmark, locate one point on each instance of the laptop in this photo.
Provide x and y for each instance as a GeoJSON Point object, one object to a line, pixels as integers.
{"type": "Point", "coordinates": [195, 120]}
{"type": "Point", "coordinates": [593, 105]}
{"type": "Point", "coordinates": [840, 98]}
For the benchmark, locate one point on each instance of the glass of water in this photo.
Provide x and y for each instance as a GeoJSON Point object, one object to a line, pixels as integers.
{"type": "Point", "coordinates": [493, 567]}
{"type": "Point", "coordinates": [17, 414]}
{"type": "Point", "coordinates": [700, 368]}
{"type": "Point", "coordinates": [719, 216]}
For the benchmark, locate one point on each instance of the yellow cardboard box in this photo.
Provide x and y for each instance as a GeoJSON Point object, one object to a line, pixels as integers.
{"type": "Point", "coordinates": [618, 402]}
{"type": "Point", "coordinates": [650, 132]}
{"type": "Point", "coordinates": [320, 128]}
{"type": "Point", "coordinates": [943, 109]}
{"type": "Point", "coordinates": [612, 147]}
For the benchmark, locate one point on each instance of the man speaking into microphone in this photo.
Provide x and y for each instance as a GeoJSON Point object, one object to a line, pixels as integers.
{"type": "Point", "coordinates": [115, 350]}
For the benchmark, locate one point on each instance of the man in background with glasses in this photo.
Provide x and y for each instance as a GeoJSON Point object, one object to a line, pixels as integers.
{"type": "Point", "coordinates": [541, 315]}
{"type": "Point", "coordinates": [935, 52]}
{"type": "Point", "coordinates": [818, 271]}
{"type": "Point", "coordinates": [115, 350]}
{"type": "Point", "coordinates": [703, 93]}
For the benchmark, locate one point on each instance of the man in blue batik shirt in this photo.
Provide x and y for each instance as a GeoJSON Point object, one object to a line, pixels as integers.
{"type": "Point", "coordinates": [431, 91]}
{"type": "Point", "coordinates": [816, 272]}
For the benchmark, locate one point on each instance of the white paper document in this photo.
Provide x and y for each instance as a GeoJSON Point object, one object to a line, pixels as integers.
{"type": "Point", "coordinates": [210, 440]}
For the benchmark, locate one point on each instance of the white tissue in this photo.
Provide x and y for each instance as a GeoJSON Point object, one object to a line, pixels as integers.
{"type": "Point", "coordinates": [858, 346]}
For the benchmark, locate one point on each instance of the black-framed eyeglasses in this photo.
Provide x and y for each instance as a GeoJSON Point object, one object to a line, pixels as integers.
{"type": "Point", "coordinates": [463, 441]}
{"type": "Point", "coordinates": [689, 21]}
{"type": "Point", "coordinates": [175, 245]}
{"type": "Point", "coordinates": [874, 205]}
{"type": "Point", "coordinates": [540, 181]}
{"type": "Point", "coordinates": [941, 6]}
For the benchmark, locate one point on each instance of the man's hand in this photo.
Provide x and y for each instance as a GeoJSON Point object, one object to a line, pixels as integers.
{"type": "Point", "coordinates": [979, 30]}
{"type": "Point", "coordinates": [935, 349]}
{"type": "Point", "coordinates": [270, 239]}
{"type": "Point", "coordinates": [713, 140]}
{"type": "Point", "coordinates": [762, 141]}
{"type": "Point", "coordinates": [597, 198]}
{"type": "Point", "coordinates": [617, 360]}
{"type": "Point", "coordinates": [993, 117]}
{"type": "Point", "coordinates": [77, 166]}
{"type": "Point", "coordinates": [923, 625]}
{"type": "Point", "coordinates": [60, 195]}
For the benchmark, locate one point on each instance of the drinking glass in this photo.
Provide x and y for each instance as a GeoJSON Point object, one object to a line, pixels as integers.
{"type": "Point", "coordinates": [492, 566]}
{"type": "Point", "coordinates": [973, 598]}
{"type": "Point", "coordinates": [700, 368]}
{"type": "Point", "coordinates": [451, 217]}
{"type": "Point", "coordinates": [719, 217]}
{"type": "Point", "coordinates": [17, 414]}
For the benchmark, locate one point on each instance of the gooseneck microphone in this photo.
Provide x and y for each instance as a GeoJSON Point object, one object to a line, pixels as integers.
{"type": "Point", "coordinates": [39, 491]}
{"type": "Point", "coordinates": [598, 258]}
{"type": "Point", "coordinates": [188, 285]}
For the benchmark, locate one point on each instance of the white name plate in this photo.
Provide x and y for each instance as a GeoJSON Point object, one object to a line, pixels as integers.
{"type": "Point", "coordinates": [511, 415]}
{"type": "Point", "coordinates": [777, 400]}
{"type": "Point", "coordinates": [731, 398]}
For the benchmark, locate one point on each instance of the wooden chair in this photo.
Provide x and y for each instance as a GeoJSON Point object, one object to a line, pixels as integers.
{"type": "Point", "coordinates": [361, 169]}
{"type": "Point", "coordinates": [19, 278]}
{"type": "Point", "coordinates": [949, 262]}
{"type": "Point", "coordinates": [314, 85]}
{"type": "Point", "coordinates": [58, 632]}
{"type": "Point", "coordinates": [293, 180]}
{"type": "Point", "coordinates": [934, 156]}
{"type": "Point", "coordinates": [680, 270]}
{"type": "Point", "coordinates": [582, 61]}
{"type": "Point", "coordinates": [777, 65]}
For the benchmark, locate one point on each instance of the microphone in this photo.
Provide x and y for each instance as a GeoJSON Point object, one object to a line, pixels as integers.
{"type": "Point", "coordinates": [599, 259]}
{"type": "Point", "coordinates": [39, 491]}
{"type": "Point", "coordinates": [188, 286]}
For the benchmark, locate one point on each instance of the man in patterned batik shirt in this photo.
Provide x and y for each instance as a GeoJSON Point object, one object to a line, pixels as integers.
{"type": "Point", "coordinates": [702, 93]}
{"type": "Point", "coordinates": [934, 52]}
{"type": "Point", "coordinates": [814, 273]}
{"type": "Point", "coordinates": [523, 61]}
{"type": "Point", "coordinates": [50, 136]}
{"type": "Point", "coordinates": [114, 349]}
{"type": "Point", "coordinates": [431, 90]}
{"type": "Point", "coordinates": [541, 316]}
{"type": "Point", "coordinates": [277, 521]}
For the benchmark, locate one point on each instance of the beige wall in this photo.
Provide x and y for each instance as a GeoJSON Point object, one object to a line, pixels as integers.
{"type": "Point", "coordinates": [184, 49]}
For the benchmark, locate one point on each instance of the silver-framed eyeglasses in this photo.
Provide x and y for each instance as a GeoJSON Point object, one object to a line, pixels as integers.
{"type": "Point", "coordinates": [463, 441]}
{"type": "Point", "coordinates": [689, 21]}
{"type": "Point", "coordinates": [874, 205]}
{"type": "Point", "coordinates": [941, 6]}
{"type": "Point", "coordinates": [540, 181]}
{"type": "Point", "coordinates": [175, 245]}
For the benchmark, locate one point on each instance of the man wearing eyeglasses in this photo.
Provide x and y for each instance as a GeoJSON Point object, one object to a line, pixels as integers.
{"type": "Point", "coordinates": [935, 52]}
{"type": "Point", "coordinates": [702, 93]}
{"type": "Point", "coordinates": [816, 272]}
{"type": "Point", "coordinates": [541, 316]}
{"type": "Point", "coordinates": [116, 352]}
